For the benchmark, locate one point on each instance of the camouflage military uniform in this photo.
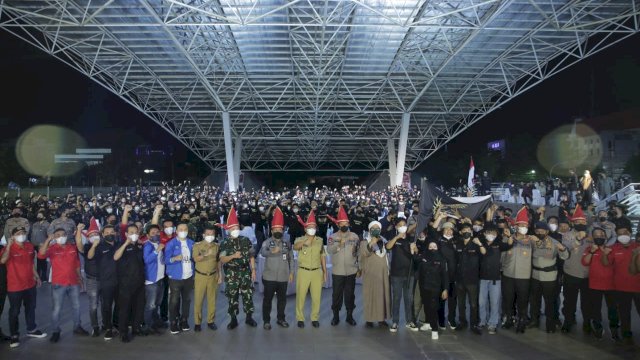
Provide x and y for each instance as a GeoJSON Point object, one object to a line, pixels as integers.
{"type": "Point", "coordinates": [238, 274]}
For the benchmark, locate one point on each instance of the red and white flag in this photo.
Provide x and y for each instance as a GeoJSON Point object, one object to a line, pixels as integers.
{"type": "Point", "coordinates": [472, 174]}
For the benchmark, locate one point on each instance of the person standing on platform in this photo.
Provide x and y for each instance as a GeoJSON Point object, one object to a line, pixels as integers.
{"type": "Point", "coordinates": [401, 272]}
{"type": "Point", "coordinates": [432, 282]}
{"type": "Point", "coordinates": [207, 278]}
{"type": "Point", "coordinates": [178, 259]}
{"type": "Point", "coordinates": [469, 252]}
{"type": "Point", "coordinates": [277, 272]}
{"type": "Point", "coordinates": [375, 277]}
{"type": "Point", "coordinates": [92, 285]}
{"type": "Point", "coordinates": [22, 280]}
{"type": "Point", "coordinates": [237, 256]}
{"type": "Point", "coordinates": [65, 280]}
{"type": "Point", "coordinates": [102, 251]}
{"type": "Point", "coordinates": [312, 271]}
{"type": "Point", "coordinates": [490, 283]}
{"type": "Point", "coordinates": [343, 247]}
{"type": "Point", "coordinates": [153, 252]}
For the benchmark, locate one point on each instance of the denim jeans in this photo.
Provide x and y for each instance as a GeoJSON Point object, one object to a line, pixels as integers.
{"type": "Point", "coordinates": [57, 293]}
{"type": "Point", "coordinates": [401, 288]}
{"type": "Point", "coordinates": [93, 286]}
{"type": "Point", "coordinates": [489, 302]}
{"type": "Point", "coordinates": [153, 298]}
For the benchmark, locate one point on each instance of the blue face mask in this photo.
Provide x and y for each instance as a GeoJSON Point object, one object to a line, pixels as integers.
{"type": "Point", "coordinates": [155, 238]}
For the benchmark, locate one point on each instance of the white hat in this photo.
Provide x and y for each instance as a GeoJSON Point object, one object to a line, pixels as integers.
{"type": "Point", "coordinates": [375, 223]}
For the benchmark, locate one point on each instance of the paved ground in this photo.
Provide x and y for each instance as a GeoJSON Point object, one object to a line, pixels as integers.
{"type": "Point", "coordinates": [326, 342]}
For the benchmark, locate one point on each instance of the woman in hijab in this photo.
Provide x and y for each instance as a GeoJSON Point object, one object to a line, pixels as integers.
{"type": "Point", "coordinates": [375, 277]}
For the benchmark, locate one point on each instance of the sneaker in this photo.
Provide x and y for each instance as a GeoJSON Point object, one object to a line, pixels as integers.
{"type": "Point", "coordinates": [266, 326]}
{"type": "Point", "coordinates": [108, 335]}
{"type": "Point", "coordinates": [36, 334]}
{"type": "Point", "coordinates": [452, 324]}
{"type": "Point", "coordinates": [212, 326]}
{"type": "Point", "coordinates": [434, 335]}
{"type": "Point", "coordinates": [393, 328]}
{"type": "Point", "coordinates": [425, 327]}
{"type": "Point", "coordinates": [476, 330]}
{"type": "Point", "coordinates": [95, 332]}
{"type": "Point", "coordinates": [412, 326]}
{"type": "Point", "coordinates": [80, 331]}
{"type": "Point", "coordinates": [174, 328]}
{"type": "Point", "coordinates": [14, 342]}
{"type": "Point", "coordinates": [282, 324]}
{"type": "Point", "coordinates": [492, 330]}
{"type": "Point", "coordinates": [184, 326]}
{"type": "Point", "coordinates": [55, 337]}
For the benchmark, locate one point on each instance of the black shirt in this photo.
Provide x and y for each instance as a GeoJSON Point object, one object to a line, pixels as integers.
{"type": "Point", "coordinates": [90, 265]}
{"type": "Point", "coordinates": [468, 261]}
{"type": "Point", "coordinates": [131, 267]}
{"type": "Point", "coordinates": [447, 250]}
{"type": "Point", "coordinates": [432, 271]}
{"type": "Point", "coordinates": [490, 262]}
{"type": "Point", "coordinates": [401, 258]}
{"type": "Point", "coordinates": [106, 265]}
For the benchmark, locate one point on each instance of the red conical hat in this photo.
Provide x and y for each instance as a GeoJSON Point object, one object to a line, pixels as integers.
{"type": "Point", "coordinates": [232, 219]}
{"type": "Point", "coordinates": [278, 219]}
{"type": "Point", "coordinates": [93, 227]}
{"type": "Point", "coordinates": [311, 219]}
{"type": "Point", "coordinates": [342, 216]}
{"type": "Point", "coordinates": [523, 216]}
{"type": "Point", "coordinates": [578, 214]}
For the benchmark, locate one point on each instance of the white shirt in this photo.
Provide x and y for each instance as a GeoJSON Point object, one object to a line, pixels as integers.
{"type": "Point", "coordinates": [248, 232]}
{"type": "Point", "coordinates": [187, 269]}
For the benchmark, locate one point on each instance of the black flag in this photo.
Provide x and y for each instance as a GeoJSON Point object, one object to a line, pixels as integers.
{"type": "Point", "coordinates": [432, 200]}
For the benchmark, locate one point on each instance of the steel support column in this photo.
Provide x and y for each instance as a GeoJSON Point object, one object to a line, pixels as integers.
{"type": "Point", "coordinates": [391, 148]}
{"type": "Point", "coordinates": [402, 148]}
{"type": "Point", "coordinates": [237, 154]}
{"type": "Point", "coordinates": [228, 148]}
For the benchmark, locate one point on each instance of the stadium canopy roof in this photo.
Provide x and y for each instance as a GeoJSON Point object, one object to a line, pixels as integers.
{"type": "Point", "coordinates": [318, 85]}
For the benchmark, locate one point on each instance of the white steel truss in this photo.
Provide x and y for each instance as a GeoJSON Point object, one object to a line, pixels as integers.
{"type": "Point", "coordinates": [318, 84]}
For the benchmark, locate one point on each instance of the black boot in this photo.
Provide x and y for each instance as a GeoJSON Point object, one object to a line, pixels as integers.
{"type": "Point", "coordinates": [350, 319]}
{"type": "Point", "coordinates": [336, 318]}
{"type": "Point", "coordinates": [566, 327]}
{"type": "Point", "coordinates": [509, 322]}
{"type": "Point", "coordinates": [249, 321]}
{"type": "Point", "coordinates": [521, 326]}
{"type": "Point", "coordinates": [233, 323]}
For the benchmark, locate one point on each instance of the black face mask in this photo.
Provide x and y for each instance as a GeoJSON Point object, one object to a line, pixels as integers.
{"type": "Point", "coordinates": [277, 235]}
{"type": "Point", "coordinates": [540, 236]}
{"type": "Point", "coordinates": [344, 228]}
{"type": "Point", "coordinates": [599, 241]}
{"type": "Point", "coordinates": [602, 218]}
{"type": "Point", "coordinates": [466, 235]}
{"type": "Point", "coordinates": [110, 238]}
{"type": "Point", "coordinates": [112, 222]}
{"type": "Point", "coordinates": [580, 227]}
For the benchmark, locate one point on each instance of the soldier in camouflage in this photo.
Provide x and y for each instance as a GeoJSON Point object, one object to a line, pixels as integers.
{"type": "Point", "coordinates": [237, 255]}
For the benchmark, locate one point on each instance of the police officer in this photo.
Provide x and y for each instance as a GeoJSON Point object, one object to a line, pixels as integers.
{"type": "Point", "coordinates": [277, 271]}
{"type": "Point", "coordinates": [237, 255]}
{"type": "Point", "coordinates": [343, 247]}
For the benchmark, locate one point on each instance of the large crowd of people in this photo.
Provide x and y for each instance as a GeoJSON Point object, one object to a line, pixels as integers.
{"type": "Point", "coordinates": [143, 256]}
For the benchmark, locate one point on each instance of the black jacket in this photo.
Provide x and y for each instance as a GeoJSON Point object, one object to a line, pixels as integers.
{"type": "Point", "coordinates": [432, 271]}
{"type": "Point", "coordinates": [490, 262]}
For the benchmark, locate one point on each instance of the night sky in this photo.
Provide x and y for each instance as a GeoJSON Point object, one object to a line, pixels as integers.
{"type": "Point", "coordinates": [39, 89]}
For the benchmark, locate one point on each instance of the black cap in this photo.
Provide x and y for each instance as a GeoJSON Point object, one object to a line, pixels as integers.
{"type": "Point", "coordinates": [541, 225]}
{"type": "Point", "coordinates": [19, 228]}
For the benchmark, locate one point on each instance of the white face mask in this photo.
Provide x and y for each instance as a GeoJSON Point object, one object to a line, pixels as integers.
{"type": "Point", "coordinates": [94, 239]}
{"type": "Point", "coordinates": [183, 234]}
{"type": "Point", "coordinates": [133, 237]}
{"type": "Point", "coordinates": [209, 238]}
{"type": "Point", "coordinates": [490, 238]}
{"type": "Point", "coordinates": [168, 231]}
{"type": "Point", "coordinates": [523, 230]}
{"type": "Point", "coordinates": [235, 233]}
{"type": "Point", "coordinates": [402, 229]}
{"type": "Point", "coordinates": [477, 228]}
{"type": "Point", "coordinates": [61, 240]}
{"type": "Point", "coordinates": [136, 209]}
{"type": "Point", "coordinates": [109, 210]}
{"type": "Point", "coordinates": [448, 237]}
{"type": "Point", "coordinates": [624, 239]}
{"type": "Point", "coordinates": [553, 227]}
{"type": "Point", "coordinates": [21, 238]}
{"type": "Point", "coordinates": [311, 232]}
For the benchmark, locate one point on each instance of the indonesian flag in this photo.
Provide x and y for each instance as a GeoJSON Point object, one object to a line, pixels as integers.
{"type": "Point", "coordinates": [472, 174]}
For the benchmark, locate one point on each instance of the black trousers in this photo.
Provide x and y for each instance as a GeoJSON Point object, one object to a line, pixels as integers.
{"type": "Point", "coordinates": [180, 290]}
{"type": "Point", "coordinates": [131, 304]}
{"type": "Point", "coordinates": [571, 288]}
{"type": "Point", "coordinates": [109, 296]}
{"type": "Point", "coordinates": [595, 306]}
{"type": "Point", "coordinates": [623, 301]}
{"type": "Point", "coordinates": [16, 300]}
{"type": "Point", "coordinates": [164, 305]}
{"type": "Point", "coordinates": [515, 290]}
{"type": "Point", "coordinates": [468, 291]}
{"type": "Point", "coordinates": [546, 290]}
{"type": "Point", "coordinates": [41, 267]}
{"type": "Point", "coordinates": [451, 302]}
{"type": "Point", "coordinates": [431, 302]}
{"type": "Point", "coordinates": [344, 288]}
{"type": "Point", "coordinates": [3, 287]}
{"type": "Point", "coordinates": [271, 288]}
